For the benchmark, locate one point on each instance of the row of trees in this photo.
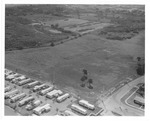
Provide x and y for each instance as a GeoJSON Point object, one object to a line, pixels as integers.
{"type": "Point", "coordinates": [85, 79]}
{"type": "Point", "coordinates": [140, 66]}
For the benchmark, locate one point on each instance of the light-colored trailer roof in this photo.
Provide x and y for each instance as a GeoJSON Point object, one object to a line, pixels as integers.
{"type": "Point", "coordinates": [78, 107]}
{"type": "Point", "coordinates": [63, 96]}
{"type": "Point", "coordinates": [86, 103]}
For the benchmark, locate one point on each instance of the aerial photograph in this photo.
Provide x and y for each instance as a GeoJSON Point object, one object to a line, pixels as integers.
{"type": "Point", "coordinates": [74, 60]}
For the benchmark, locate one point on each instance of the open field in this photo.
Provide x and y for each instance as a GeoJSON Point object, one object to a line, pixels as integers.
{"type": "Point", "coordinates": [55, 43]}
{"type": "Point", "coordinates": [107, 61]}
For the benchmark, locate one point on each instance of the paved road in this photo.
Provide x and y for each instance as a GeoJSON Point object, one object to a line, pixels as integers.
{"type": "Point", "coordinates": [114, 103]}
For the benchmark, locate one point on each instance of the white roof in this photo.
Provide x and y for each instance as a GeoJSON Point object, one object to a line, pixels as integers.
{"type": "Point", "coordinates": [39, 85]}
{"type": "Point", "coordinates": [21, 77]}
{"type": "Point", "coordinates": [35, 82]}
{"type": "Point", "coordinates": [41, 107]}
{"type": "Point", "coordinates": [140, 99]}
{"type": "Point", "coordinates": [12, 75]}
{"type": "Point", "coordinates": [11, 92]}
{"type": "Point", "coordinates": [70, 113]}
{"type": "Point", "coordinates": [52, 92]}
{"type": "Point", "coordinates": [19, 95]}
{"type": "Point", "coordinates": [45, 90]}
{"type": "Point", "coordinates": [65, 95]}
{"type": "Point", "coordinates": [86, 103]}
{"type": "Point", "coordinates": [59, 92]}
{"type": "Point", "coordinates": [26, 80]}
{"type": "Point", "coordinates": [36, 102]}
{"type": "Point", "coordinates": [26, 99]}
{"type": "Point", "coordinates": [78, 107]}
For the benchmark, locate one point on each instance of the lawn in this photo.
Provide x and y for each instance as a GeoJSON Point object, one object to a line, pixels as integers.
{"type": "Point", "coordinates": [108, 62]}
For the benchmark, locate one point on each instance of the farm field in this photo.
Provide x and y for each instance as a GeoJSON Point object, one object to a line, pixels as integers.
{"type": "Point", "coordinates": [107, 61]}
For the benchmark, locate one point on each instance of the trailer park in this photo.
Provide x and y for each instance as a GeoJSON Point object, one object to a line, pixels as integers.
{"type": "Point", "coordinates": [28, 96]}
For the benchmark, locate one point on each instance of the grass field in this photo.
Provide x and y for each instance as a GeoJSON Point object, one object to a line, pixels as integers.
{"type": "Point", "coordinates": [107, 61]}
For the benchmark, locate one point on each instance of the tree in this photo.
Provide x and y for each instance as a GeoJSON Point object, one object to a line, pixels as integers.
{"type": "Point", "coordinates": [140, 66]}
{"type": "Point", "coordinates": [85, 71]}
{"type": "Point", "coordinates": [140, 69]}
{"type": "Point", "coordinates": [19, 47]}
{"type": "Point", "coordinates": [83, 78]}
{"type": "Point", "coordinates": [90, 81]}
{"type": "Point", "coordinates": [52, 44]}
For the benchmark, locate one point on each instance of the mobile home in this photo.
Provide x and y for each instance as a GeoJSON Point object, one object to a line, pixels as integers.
{"type": "Point", "coordinates": [25, 101]}
{"type": "Point", "coordinates": [7, 89]}
{"type": "Point", "coordinates": [69, 113]}
{"type": "Point", "coordinates": [17, 97]}
{"type": "Point", "coordinates": [86, 104]}
{"type": "Point", "coordinates": [79, 109]}
{"type": "Point", "coordinates": [53, 93]}
{"type": "Point", "coordinates": [63, 97]}
{"type": "Point", "coordinates": [43, 92]}
{"type": "Point", "coordinates": [25, 81]}
{"type": "Point", "coordinates": [8, 94]}
{"type": "Point", "coordinates": [42, 109]}
{"type": "Point", "coordinates": [40, 87]}
{"type": "Point", "coordinates": [32, 84]}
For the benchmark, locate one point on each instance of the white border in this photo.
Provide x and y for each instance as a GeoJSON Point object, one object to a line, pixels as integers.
{"type": "Point", "coordinates": [55, 118]}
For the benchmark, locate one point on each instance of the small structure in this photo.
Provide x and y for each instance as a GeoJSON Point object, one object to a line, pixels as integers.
{"type": "Point", "coordinates": [54, 93]}
{"type": "Point", "coordinates": [42, 109]}
{"type": "Point", "coordinates": [86, 104]}
{"type": "Point", "coordinates": [69, 113]}
{"type": "Point", "coordinates": [43, 92]}
{"type": "Point", "coordinates": [33, 105]}
{"type": "Point", "coordinates": [63, 97]}
{"type": "Point", "coordinates": [25, 101]}
{"type": "Point", "coordinates": [78, 109]}
{"type": "Point", "coordinates": [17, 97]}
{"type": "Point", "coordinates": [139, 100]}
{"type": "Point", "coordinates": [8, 94]}
{"type": "Point", "coordinates": [25, 81]}
{"type": "Point", "coordinates": [40, 87]}
{"type": "Point", "coordinates": [32, 84]}
{"type": "Point", "coordinates": [7, 89]}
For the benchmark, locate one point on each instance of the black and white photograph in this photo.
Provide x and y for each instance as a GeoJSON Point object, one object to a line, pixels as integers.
{"type": "Point", "coordinates": [74, 60]}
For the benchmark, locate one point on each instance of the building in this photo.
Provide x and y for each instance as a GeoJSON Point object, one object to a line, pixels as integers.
{"type": "Point", "coordinates": [139, 100]}
{"type": "Point", "coordinates": [40, 87]}
{"type": "Point", "coordinates": [33, 105]}
{"type": "Point", "coordinates": [54, 93]}
{"type": "Point", "coordinates": [16, 79]}
{"type": "Point", "coordinates": [32, 84]}
{"type": "Point", "coordinates": [7, 72]}
{"type": "Point", "coordinates": [25, 101]}
{"type": "Point", "coordinates": [69, 113]}
{"type": "Point", "coordinates": [78, 109]}
{"type": "Point", "coordinates": [43, 92]}
{"type": "Point", "coordinates": [42, 109]}
{"type": "Point", "coordinates": [63, 97]}
{"type": "Point", "coordinates": [20, 78]}
{"type": "Point", "coordinates": [7, 89]}
{"type": "Point", "coordinates": [25, 81]}
{"type": "Point", "coordinates": [17, 97]}
{"type": "Point", "coordinates": [8, 94]}
{"type": "Point", "coordinates": [59, 92]}
{"type": "Point", "coordinates": [12, 76]}
{"type": "Point", "coordinates": [86, 104]}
